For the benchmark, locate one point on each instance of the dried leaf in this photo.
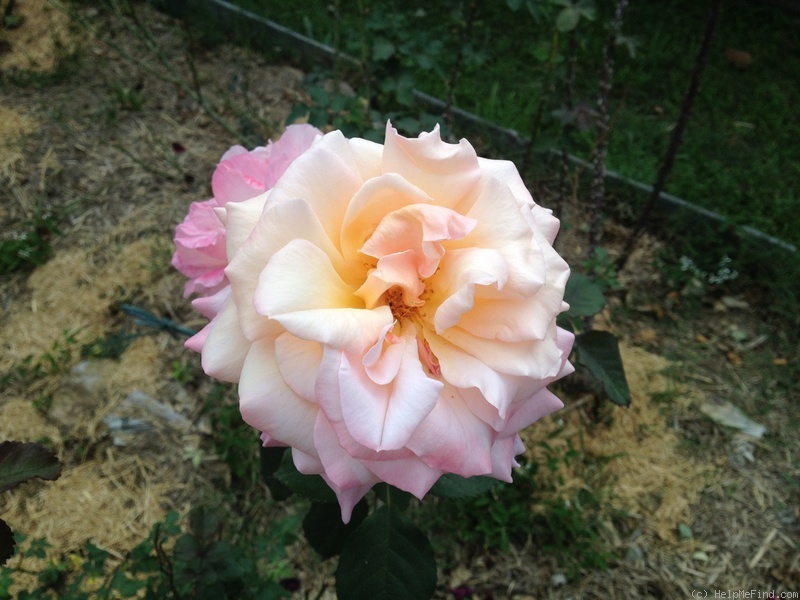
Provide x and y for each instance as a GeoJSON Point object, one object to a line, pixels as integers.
{"type": "Point", "coordinates": [738, 58]}
{"type": "Point", "coordinates": [729, 415]}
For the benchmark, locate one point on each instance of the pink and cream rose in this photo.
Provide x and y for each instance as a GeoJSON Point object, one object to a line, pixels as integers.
{"type": "Point", "coordinates": [240, 175]}
{"type": "Point", "coordinates": [391, 314]}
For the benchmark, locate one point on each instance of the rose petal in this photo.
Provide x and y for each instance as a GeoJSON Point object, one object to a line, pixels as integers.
{"type": "Point", "coordinates": [464, 371]}
{"type": "Point", "coordinates": [270, 405]}
{"type": "Point", "coordinates": [447, 172]}
{"type": "Point", "coordinates": [383, 417]}
{"type": "Point", "coordinates": [286, 283]}
{"type": "Point", "coordinates": [279, 224]}
{"type": "Point", "coordinates": [331, 314]}
{"type": "Point", "coordinates": [343, 470]}
{"type": "Point", "coordinates": [225, 347]}
{"type": "Point", "coordinates": [503, 452]}
{"type": "Point", "coordinates": [376, 198]}
{"type": "Point", "coordinates": [240, 219]}
{"type": "Point", "coordinates": [382, 361]}
{"type": "Point", "coordinates": [297, 361]}
{"type": "Point", "coordinates": [268, 442]}
{"type": "Point", "coordinates": [463, 270]}
{"type": "Point", "coordinates": [502, 226]}
{"type": "Point", "coordinates": [408, 474]}
{"type": "Point", "coordinates": [200, 249]}
{"type": "Point", "coordinates": [326, 177]}
{"type": "Point", "coordinates": [348, 498]}
{"type": "Point", "coordinates": [294, 141]}
{"type": "Point", "coordinates": [421, 228]}
{"type": "Point", "coordinates": [329, 395]}
{"type": "Point", "coordinates": [394, 270]}
{"type": "Point", "coordinates": [209, 306]}
{"type": "Point", "coordinates": [540, 405]}
{"type": "Point", "coordinates": [201, 227]}
{"type": "Point", "coordinates": [240, 176]}
{"type": "Point", "coordinates": [452, 438]}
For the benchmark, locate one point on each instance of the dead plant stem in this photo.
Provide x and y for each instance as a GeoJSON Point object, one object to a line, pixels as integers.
{"type": "Point", "coordinates": [597, 189]}
{"type": "Point", "coordinates": [701, 61]}
{"type": "Point", "coordinates": [539, 115]}
{"type": "Point", "coordinates": [569, 101]}
{"type": "Point", "coordinates": [171, 76]}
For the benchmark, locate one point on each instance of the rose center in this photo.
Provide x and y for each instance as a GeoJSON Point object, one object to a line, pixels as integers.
{"type": "Point", "coordinates": [396, 301]}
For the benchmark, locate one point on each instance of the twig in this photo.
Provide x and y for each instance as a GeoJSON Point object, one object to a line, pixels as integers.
{"type": "Point", "coordinates": [597, 189]}
{"type": "Point", "coordinates": [164, 563]}
{"type": "Point", "coordinates": [171, 77]}
{"type": "Point", "coordinates": [764, 547]}
{"type": "Point", "coordinates": [677, 133]}
{"type": "Point", "coordinates": [144, 164]}
{"type": "Point", "coordinates": [149, 41]}
{"type": "Point", "coordinates": [569, 101]}
{"type": "Point", "coordinates": [578, 404]}
{"type": "Point", "coordinates": [537, 119]}
{"type": "Point", "coordinates": [190, 46]}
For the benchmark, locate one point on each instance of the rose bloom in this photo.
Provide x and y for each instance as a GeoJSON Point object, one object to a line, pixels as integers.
{"type": "Point", "coordinates": [391, 313]}
{"type": "Point", "coordinates": [240, 175]}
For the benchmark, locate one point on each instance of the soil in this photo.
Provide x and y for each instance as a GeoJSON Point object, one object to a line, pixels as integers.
{"type": "Point", "coordinates": [121, 150]}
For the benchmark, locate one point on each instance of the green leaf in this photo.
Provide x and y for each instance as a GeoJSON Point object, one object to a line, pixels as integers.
{"type": "Point", "coordinates": [319, 95]}
{"type": "Point", "coordinates": [542, 51]}
{"type": "Point", "coordinates": [584, 296]}
{"type": "Point", "coordinates": [125, 586]}
{"type": "Point", "coordinates": [425, 62]}
{"type": "Point", "coordinates": [386, 558]}
{"type": "Point", "coordinates": [6, 581]}
{"type": "Point", "coordinates": [270, 463]}
{"type": "Point", "coordinates": [95, 560]}
{"type": "Point", "coordinates": [395, 498]}
{"type": "Point", "coordinates": [312, 487]}
{"type": "Point", "coordinates": [404, 92]}
{"type": "Point", "coordinates": [537, 9]}
{"type": "Point", "coordinates": [455, 486]}
{"type": "Point", "coordinates": [587, 8]}
{"type": "Point", "coordinates": [186, 549]}
{"type": "Point", "coordinates": [567, 19]}
{"type": "Point", "coordinates": [6, 542]}
{"type": "Point", "coordinates": [20, 461]}
{"type": "Point", "coordinates": [38, 548]}
{"type": "Point", "coordinates": [598, 351]}
{"type": "Point", "coordinates": [324, 529]}
{"type": "Point", "coordinates": [299, 114]}
{"type": "Point", "coordinates": [382, 49]}
{"type": "Point", "coordinates": [13, 21]}
{"type": "Point", "coordinates": [514, 4]}
{"type": "Point", "coordinates": [203, 523]}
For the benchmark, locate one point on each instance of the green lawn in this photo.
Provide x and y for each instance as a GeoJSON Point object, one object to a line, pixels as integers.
{"type": "Point", "coordinates": [740, 155]}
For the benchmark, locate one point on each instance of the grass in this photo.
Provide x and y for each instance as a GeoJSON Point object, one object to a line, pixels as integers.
{"type": "Point", "coordinates": [739, 153]}
{"type": "Point", "coordinates": [565, 525]}
{"type": "Point", "coordinates": [29, 243]}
